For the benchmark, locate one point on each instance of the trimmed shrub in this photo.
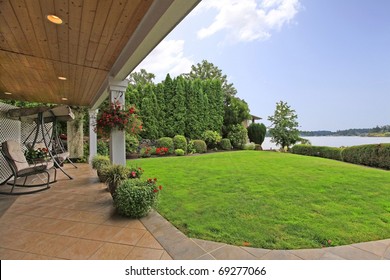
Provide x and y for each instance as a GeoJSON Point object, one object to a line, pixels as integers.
{"type": "Point", "coordinates": [179, 152]}
{"type": "Point", "coordinates": [102, 173]}
{"type": "Point", "coordinates": [212, 138]}
{"type": "Point", "coordinates": [249, 146]}
{"type": "Point", "coordinates": [199, 146]}
{"type": "Point", "coordinates": [318, 151]}
{"type": "Point", "coordinates": [225, 144]}
{"type": "Point", "coordinates": [238, 136]}
{"type": "Point", "coordinates": [374, 155]}
{"type": "Point", "coordinates": [131, 144]}
{"type": "Point", "coordinates": [256, 133]}
{"type": "Point", "coordinates": [166, 142]}
{"type": "Point", "coordinates": [180, 142]}
{"type": "Point", "coordinates": [99, 161]}
{"type": "Point", "coordinates": [135, 198]}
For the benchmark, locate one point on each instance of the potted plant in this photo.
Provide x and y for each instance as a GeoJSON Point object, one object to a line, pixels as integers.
{"type": "Point", "coordinates": [135, 198]}
{"type": "Point", "coordinates": [36, 155]}
{"type": "Point", "coordinates": [115, 174]}
{"type": "Point", "coordinates": [98, 162]}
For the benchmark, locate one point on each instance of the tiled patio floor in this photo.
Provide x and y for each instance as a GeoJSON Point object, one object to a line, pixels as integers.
{"type": "Point", "coordinates": [75, 219]}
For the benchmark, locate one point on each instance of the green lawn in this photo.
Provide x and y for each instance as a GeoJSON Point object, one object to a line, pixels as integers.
{"type": "Point", "coordinates": [272, 200]}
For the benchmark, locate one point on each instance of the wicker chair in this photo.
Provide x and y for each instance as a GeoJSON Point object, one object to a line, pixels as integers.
{"type": "Point", "coordinates": [13, 154]}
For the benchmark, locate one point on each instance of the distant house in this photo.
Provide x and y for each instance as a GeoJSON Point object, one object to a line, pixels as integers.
{"type": "Point", "coordinates": [253, 119]}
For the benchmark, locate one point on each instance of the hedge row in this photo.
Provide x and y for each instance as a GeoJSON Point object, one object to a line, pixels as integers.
{"type": "Point", "coordinates": [374, 155]}
{"type": "Point", "coordinates": [318, 151]}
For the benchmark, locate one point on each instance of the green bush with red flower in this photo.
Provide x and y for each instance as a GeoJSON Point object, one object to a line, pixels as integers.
{"type": "Point", "coordinates": [136, 198]}
{"type": "Point", "coordinates": [115, 117]}
{"type": "Point", "coordinates": [162, 151]}
{"type": "Point", "coordinates": [135, 172]}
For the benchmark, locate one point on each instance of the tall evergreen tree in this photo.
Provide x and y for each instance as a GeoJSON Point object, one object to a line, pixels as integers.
{"type": "Point", "coordinates": [179, 101]}
{"type": "Point", "coordinates": [160, 99]}
{"type": "Point", "coordinates": [149, 111]}
{"type": "Point", "coordinates": [194, 100]}
{"type": "Point", "coordinates": [169, 93]}
{"type": "Point", "coordinates": [213, 91]}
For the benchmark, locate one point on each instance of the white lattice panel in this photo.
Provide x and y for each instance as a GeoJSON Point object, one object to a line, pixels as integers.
{"type": "Point", "coordinates": [9, 129]}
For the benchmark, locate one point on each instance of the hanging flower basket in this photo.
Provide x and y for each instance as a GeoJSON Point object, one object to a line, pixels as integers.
{"type": "Point", "coordinates": [114, 117]}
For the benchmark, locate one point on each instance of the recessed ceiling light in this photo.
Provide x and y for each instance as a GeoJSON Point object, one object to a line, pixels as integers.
{"type": "Point", "coordinates": [7, 93]}
{"type": "Point", "coordinates": [64, 98]}
{"type": "Point", "coordinates": [54, 19]}
{"type": "Point", "coordinates": [62, 78]}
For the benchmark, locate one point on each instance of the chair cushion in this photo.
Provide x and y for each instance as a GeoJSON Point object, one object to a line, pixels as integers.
{"type": "Point", "coordinates": [14, 152]}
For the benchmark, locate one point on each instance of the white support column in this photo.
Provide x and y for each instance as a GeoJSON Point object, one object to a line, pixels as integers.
{"type": "Point", "coordinates": [92, 135]}
{"type": "Point", "coordinates": [117, 91]}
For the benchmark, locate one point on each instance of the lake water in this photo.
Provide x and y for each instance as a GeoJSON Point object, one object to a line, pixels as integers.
{"type": "Point", "coordinates": [334, 141]}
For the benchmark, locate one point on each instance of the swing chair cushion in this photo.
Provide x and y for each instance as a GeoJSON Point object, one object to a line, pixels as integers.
{"type": "Point", "coordinates": [19, 165]}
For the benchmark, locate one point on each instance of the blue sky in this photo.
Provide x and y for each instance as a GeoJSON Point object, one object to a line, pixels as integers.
{"type": "Point", "coordinates": [328, 59]}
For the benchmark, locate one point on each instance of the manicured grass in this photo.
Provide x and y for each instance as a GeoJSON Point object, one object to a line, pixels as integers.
{"type": "Point", "coordinates": [272, 200]}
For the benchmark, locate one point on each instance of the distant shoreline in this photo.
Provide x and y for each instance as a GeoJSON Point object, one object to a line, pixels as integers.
{"type": "Point", "coordinates": [373, 135]}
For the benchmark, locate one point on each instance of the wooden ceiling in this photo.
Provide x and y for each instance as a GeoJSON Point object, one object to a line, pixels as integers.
{"type": "Point", "coordinates": [84, 48]}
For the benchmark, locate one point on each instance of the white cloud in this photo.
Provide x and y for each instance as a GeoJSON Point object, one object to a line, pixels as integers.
{"type": "Point", "coordinates": [248, 20]}
{"type": "Point", "coordinates": [167, 57]}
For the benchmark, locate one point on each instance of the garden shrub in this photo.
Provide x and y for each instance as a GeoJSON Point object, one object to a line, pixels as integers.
{"type": "Point", "coordinates": [102, 173]}
{"type": "Point", "coordinates": [199, 146]}
{"type": "Point", "coordinates": [256, 133]}
{"type": "Point", "coordinates": [225, 144]}
{"type": "Point", "coordinates": [249, 146]}
{"type": "Point", "coordinates": [212, 138]}
{"type": "Point", "coordinates": [135, 198]}
{"type": "Point", "coordinates": [102, 147]}
{"type": "Point", "coordinates": [166, 142]}
{"type": "Point", "coordinates": [258, 147]}
{"type": "Point", "coordinates": [179, 152]}
{"type": "Point", "coordinates": [191, 148]}
{"type": "Point", "coordinates": [147, 151]}
{"type": "Point", "coordinates": [99, 161]}
{"type": "Point", "coordinates": [238, 136]}
{"type": "Point", "coordinates": [131, 144]}
{"type": "Point", "coordinates": [318, 151]}
{"type": "Point", "coordinates": [374, 155]}
{"type": "Point", "coordinates": [180, 142]}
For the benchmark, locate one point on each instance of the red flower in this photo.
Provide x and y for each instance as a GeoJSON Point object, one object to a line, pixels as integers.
{"type": "Point", "coordinates": [160, 187]}
{"type": "Point", "coordinates": [155, 190]}
{"type": "Point", "coordinates": [133, 174]}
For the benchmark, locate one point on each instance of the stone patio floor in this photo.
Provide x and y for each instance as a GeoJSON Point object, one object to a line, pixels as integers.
{"type": "Point", "coordinates": [75, 219]}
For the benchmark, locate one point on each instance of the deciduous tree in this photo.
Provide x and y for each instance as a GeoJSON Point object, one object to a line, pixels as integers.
{"type": "Point", "coordinates": [284, 128]}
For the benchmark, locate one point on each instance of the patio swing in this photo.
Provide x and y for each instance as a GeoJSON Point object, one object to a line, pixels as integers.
{"type": "Point", "coordinates": [46, 136]}
{"type": "Point", "coordinates": [21, 168]}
